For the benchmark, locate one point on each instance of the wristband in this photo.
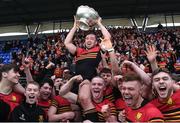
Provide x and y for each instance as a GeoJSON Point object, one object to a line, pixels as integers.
{"type": "Point", "coordinates": [110, 50]}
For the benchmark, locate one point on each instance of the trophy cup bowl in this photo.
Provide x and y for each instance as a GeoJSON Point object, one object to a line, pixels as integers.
{"type": "Point", "coordinates": [86, 17]}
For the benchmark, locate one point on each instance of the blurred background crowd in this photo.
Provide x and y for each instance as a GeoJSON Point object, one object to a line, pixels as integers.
{"type": "Point", "coordinates": [129, 44]}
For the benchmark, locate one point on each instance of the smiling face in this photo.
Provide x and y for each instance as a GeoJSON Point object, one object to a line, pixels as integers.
{"type": "Point", "coordinates": [45, 91]}
{"type": "Point", "coordinates": [11, 76]}
{"type": "Point", "coordinates": [90, 41]}
{"type": "Point", "coordinates": [32, 93]}
{"type": "Point", "coordinates": [97, 88]}
{"type": "Point", "coordinates": [163, 84]}
{"type": "Point", "coordinates": [131, 93]}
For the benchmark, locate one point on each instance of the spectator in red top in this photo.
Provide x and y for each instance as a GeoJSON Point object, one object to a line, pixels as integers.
{"type": "Point", "coordinates": [9, 76]}
{"type": "Point", "coordinates": [167, 100]}
{"type": "Point", "coordinates": [138, 109]}
{"type": "Point", "coordinates": [45, 94]}
{"type": "Point", "coordinates": [58, 71]}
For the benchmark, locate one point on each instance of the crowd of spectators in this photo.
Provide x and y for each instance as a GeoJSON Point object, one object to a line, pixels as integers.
{"type": "Point", "coordinates": [48, 60]}
{"type": "Point", "coordinates": [129, 44]}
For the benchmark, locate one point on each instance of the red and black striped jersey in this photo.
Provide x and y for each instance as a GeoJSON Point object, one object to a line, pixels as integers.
{"type": "Point", "coordinates": [98, 107]}
{"type": "Point", "coordinates": [108, 94]}
{"type": "Point", "coordinates": [111, 93]}
{"type": "Point", "coordinates": [87, 61]}
{"type": "Point", "coordinates": [170, 108]}
{"type": "Point", "coordinates": [44, 104]}
{"type": "Point", "coordinates": [62, 104]}
{"type": "Point", "coordinates": [146, 113]}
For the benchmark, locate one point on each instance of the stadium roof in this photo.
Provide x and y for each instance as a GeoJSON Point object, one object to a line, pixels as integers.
{"type": "Point", "coordinates": [13, 12]}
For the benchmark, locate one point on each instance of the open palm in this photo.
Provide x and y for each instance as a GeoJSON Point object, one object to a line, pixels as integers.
{"type": "Point", "coordinates": [151, 53]}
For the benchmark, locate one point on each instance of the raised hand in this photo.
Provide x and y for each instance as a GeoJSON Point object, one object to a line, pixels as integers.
{"type": "Point", "coordinates": [76, 23]}
{"type": "Point", "coordinates": [77, 78]}
{"type": "Point", "coordinates": [126, 63]}
{"type": "Point", "coordinates": [26, 63]}
{"type": "Point", "coordinates": [99, 21]}
{"type": "Point", "coordinates": [84, 82]}
{"type": "Point", "coordinates": [151, 53]}
{"type": "Point", "coordinates": [117, 77]}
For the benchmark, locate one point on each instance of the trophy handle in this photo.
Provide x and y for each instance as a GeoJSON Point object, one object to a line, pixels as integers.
{"type": "Point", "coordinates": [83, 25]}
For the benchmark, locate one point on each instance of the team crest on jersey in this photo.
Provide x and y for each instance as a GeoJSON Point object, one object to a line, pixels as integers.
{"type": "Point", "coordinates": [41, 119]}
{"type": "Point", "coordinates": [49, 101]}
{"type": "Point", "coordinates": [22, 117]}
{"type": "Point", "coordinates": [14, 98]}
{"type": "Point", "coordinates": [138, 116]}
{"type": "Point", "coordinates": [170, 101]}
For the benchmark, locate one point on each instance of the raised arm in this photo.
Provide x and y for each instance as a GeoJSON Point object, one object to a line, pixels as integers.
{"type": "Point", "coordinates": [26, 64]}
{"type": "Point", "coordinates": [145, 78]}
{"type": "Point", "coordinates": [151, 54]}
{"type": "Point", "coordinates": [68, 85]}
{"type": "Point", "coordinates": [114, 63]}
{"type": "Point", "coordinates": [18, 87]}
{"type": "Point", "coordinates": [146, 88]}
{"type": "Point", "coordinates": [68, 41]}
{"type": "Point", "coordinates": [106, 34]}
{"type": "Point", "coordinates": [106, 45]}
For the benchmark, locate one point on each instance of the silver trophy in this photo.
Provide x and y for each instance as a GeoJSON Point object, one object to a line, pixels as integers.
{"type": "Point", "coordinates": [86, 17]}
